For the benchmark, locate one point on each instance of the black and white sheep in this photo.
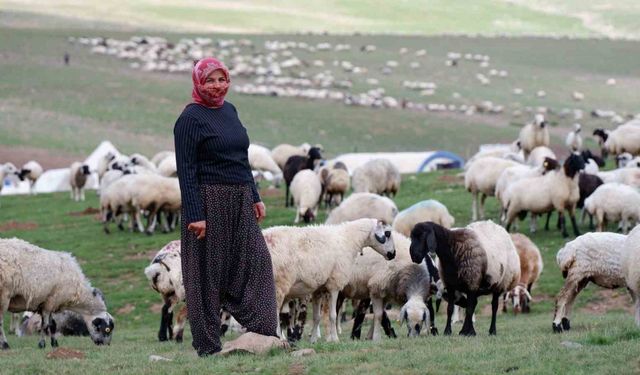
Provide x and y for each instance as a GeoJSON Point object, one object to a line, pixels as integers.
{"type": "Point", "coordinates": [31, 170]}
{"type": "Point", "coordinates": [476, 260]}
{"type": "Point", "coordinates": [78, 174]}
{"type": "Point", "coordinates": [45, 281]}
{"type": "Point", "coordinates": [297, 163]}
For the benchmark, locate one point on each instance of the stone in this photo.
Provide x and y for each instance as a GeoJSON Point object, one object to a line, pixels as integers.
{"type": "Point", "coordinates": [303, 353]}
{"type": "Point", "coordinates": [157, 358]}
{"type": "Point", "coordinates": [253, 343]}
{"type": "Point", "coordinates": [571, 344]}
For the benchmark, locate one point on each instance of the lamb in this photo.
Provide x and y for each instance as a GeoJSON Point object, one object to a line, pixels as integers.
{"type": "Point", "coordinates": [281, 153]}
{"type": "Point", "coordinates": [78, 173]}
{"type": "Point", "coordinates": [614, 202]}
{"type": "Point", "coordinates": [625, 138]}
{"type": "Point", "coordinates": [427, 210]}
{"type": "Point", "coordinates": [335, 183]}
{"type": "Point", "coordinates": [45, 281]}
{"type": "Point", "coordinates": [539, 154]}
{"type": "Point", "coordinates": [530, 269]}
{"type": "Point", "coordinates": [481, 178]}
{"type": "Point", "coordinates": [377, 176]}
{"type": "Point", "coordinates": [297, 163]}
{"type": "Point", "coordinates": [32, 170]}
{"type": "Point", "coordinates": [312, 260]}
{"type": "Point", "coordinates": [306, 190]}
{"type": "Point", "coordinates": [555, 190]}
{"type": "Point", "coordinates": [476, 260]}
{"type": "Point", "coordinates": [592, 257]}
{"type": "Point", "coordinates": [631, 267]}
{"type": "Point", "coordinates": [574, 139]}
{"type": "Point", "coordinates": [534, 135]}
{"type": "Point", "coordinates": [362, 205]}
{"type": "Point", "coordinates": [260, 160]}
{"type": "Point", "coordinates": [397, 281]}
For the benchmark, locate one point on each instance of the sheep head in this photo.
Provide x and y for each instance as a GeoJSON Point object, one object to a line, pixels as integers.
{"type": "Point", "coordinates": [573, 165]}
{"type": "Point", "coordinates": [520, 298]}
{"type": "Point", "coordinates": [414, 314]}
{"type": "Point", "coordinates": [380, 240]}
{"type": "Point", "coordinates": [539, 121]}
{"type": "Point", "coordinates": [99, 322]}
{"type": "Point", "coordinates": [423, 241]}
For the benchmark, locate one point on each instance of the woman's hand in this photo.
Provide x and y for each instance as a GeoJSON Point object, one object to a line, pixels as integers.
{"type": "Point", "coordinates": [260, 211]}
{"type": "Point", "coordinates": [199, 228]}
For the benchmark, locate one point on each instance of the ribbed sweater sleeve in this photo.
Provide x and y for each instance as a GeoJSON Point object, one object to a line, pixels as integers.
{"type": "Point", "coordinates": [186, 135]}
{"type": "Point", "coordinates": [254, 192]}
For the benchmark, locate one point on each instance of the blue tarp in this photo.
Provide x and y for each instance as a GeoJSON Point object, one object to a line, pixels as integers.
{"type": "Point", "coordinates": [456, 160]}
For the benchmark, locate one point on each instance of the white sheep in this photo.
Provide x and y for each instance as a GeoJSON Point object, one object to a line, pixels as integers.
{"type": "Point", "coordinates": [627, 176]}
{"type": "Point", "coordinates": [614, 202]}
{"type": "Point", "coordinates": [155, 194]}
{"type": "Point", "coordinates": [35, 279]}
{"type": "Point", "coordinates": [115, 201]}
{"type": "Point", "coordinates": [631, 267]}
{"type": "Point", "coordinates": [31, 170]}
{"type": "Point", "coordinates": [427, 210]}
{"type": "Point", "coordinates": [143, 162]}
{"type": "Point", "coordinates": [378, 176]}
{"type": "Point", "coordinates": [260, 160]}
{"type": "Point", "coordinates": [557, 190]}
{"type": "Point", "coordinates": [481, 178]}
{"type": "Point", "coordinates": [306, 190]}
{"type": "Point", "coordinates": [574, 139]}
{"type": "Point", "coordinates": [281, 153]}
{"type": "Point", "coordinates": [476, 260]}
{"type": "Point", "coordinates": [168, 167]}
{"type": "Point", "coordinates": [160, 156]}
{"type": "Point", "coordinates": [538, 155]}
{"type": "Point", "coordinates": [78, 174]}
{"type": "Point", "coordinates": [533, 135]}
{"type": "Point", "coordinates": [510, 151]}
{"type": "Point", "coordinates": [362, 205]}
{"type": "Point", "coordinates": [311, 260]}
{"type": "Point", "coordinates": [625, 138]}
{"type": "Point", "coordinates": [592, 257]}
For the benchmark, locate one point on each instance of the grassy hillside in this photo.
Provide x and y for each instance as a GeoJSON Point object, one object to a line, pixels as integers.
{"type": "Point", "coordinates": [115, 263]}
{"type": "Point", "coordinates": [516, 17]}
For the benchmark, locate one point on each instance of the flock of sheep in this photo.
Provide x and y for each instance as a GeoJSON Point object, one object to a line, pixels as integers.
{"type": "Point", "coordinates": [366, 251]}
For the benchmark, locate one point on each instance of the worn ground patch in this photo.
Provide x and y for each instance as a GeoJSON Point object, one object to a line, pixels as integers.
{"type": "Point", "coordinates": [17, 225]}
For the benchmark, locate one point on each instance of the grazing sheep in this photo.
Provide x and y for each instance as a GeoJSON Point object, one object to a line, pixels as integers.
{"type": "Point", "coordinates": [427, 210]}
{"type": "Point", "coordinates": [115, 201]}
{"type": "Point", "coordinates": [32, 170]}
{"type": "Point", "coordinates": [154, 194]}
{"type": "Point", "coordinates": [625, 138]}
{"type": "Point", "coordinates": [574, 139]}
{"type": "Point", "coordinates": [68, 323]}
{"type": "Point", "coordinates": [378, 176]}
{"type": "Point", "coordinates": [587, 183]}
{"type": "Point", "coordinates": [306, 190]}
{"type": "Point", "coordinates": [592, 257]}
{"type": "Point", "coordinates": [533, 135]}
{"type": "Point", "coordinates": [312, 260]}
{"type": "Point", "coordinates": [160, 156]}
{"type": "Point", "coordinates": [476, 260]}
{"type": "Point", "coordinates": [539, 154]}
{"type": "Point", "coordinates": [530, 269]}
{"type": "Point", "coordinates": [364, 205]}
{"type": "Point", "coordinates": [297, 163]}
{"type": "Point", "coordinates": [631, 267]}
{"type": "Point", "coordinates": [481, 178]}
{"type": "Point", "coordinates": [260, 160]}
{"type": "Point", "coordinates": [556, 190]}
{"type": "Point", "coordinates": [281, 153]}
{"type": "Point", "coordinates": [335, 183]}
{"type": "Point", "coordinates": [614, 202]}
{"type": "Point", "coordinates": [45, 281]}
{"type": "Point", "coordinates": [78, 173]}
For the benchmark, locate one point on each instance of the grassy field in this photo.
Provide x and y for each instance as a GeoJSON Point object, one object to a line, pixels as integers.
{"type": "Point", "coordinates": [115, 263]}
{"type": "Point", "coordinates": [575, 17]}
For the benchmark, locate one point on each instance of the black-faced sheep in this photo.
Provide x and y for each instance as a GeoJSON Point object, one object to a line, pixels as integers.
{"type": "Point", "coordinates": [476, 260]}
{"type": "Point", "coordinates": [31, 171]}
{"type": "Point", "coordinates": [45, 281]}
{"type": "Point", "coordinates": [78, 174]}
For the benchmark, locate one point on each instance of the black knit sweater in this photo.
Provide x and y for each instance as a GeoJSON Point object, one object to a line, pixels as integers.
{"type": "Point", "coordinates": [211, 148]}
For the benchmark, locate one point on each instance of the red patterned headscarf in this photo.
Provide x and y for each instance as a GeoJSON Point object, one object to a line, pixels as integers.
{"type": "Point", "coordinates": [212, 97]}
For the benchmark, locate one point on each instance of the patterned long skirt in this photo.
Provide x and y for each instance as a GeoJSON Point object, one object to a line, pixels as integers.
{"type": "Point", "coordinates": [230, 268]}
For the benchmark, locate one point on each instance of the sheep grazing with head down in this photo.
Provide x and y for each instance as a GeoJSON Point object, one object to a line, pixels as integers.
{"type": "Point", "coordinates": [306, 190]}
{"type": "Point", "coordinates": [314, 260]}
{"type": "Point", "coordinates": [533, 135]}
{"type": "Point", "coordinates": [530, 269]}
{"type": "Point", "coordinates": [31, 171]}
{"type": "Point", "coordinates": [335, 183]}
{"type": "Point", "coordinates": [427, 210]}
{"type": "Point", "coordinates": [592, 257]}
{"type": "Point", "coordinates": [45, 281]}
{"type": "Point", "coordinates": [362, 205]}
{"type": "Point", "coordinates": [378, 176]}
{"type": "Point", "coordinates": [614, 202]}
{"type": "Point", "coordinates": [297, 163]}
{"type": "Point", "coordinates": [476, 260]}
{"type": "Point", "coordinates": [631, 267]}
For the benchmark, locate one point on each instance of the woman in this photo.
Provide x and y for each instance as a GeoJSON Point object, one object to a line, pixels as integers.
{"type": "Point", "coordinates": [225, 260]}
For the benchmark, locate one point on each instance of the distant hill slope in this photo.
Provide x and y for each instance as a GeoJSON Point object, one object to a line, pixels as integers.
{"type": "Point", "coordinates": [426, 17]}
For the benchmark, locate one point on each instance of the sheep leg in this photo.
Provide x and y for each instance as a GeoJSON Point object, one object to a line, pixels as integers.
{"type": "Point", "coordinates": [572, 216]}
{"type": "Point", "coordinates": [546, 224]}
{"type": "Point", "coordinates": [316, 319]}
{"type": "Point", "coordinates": [333, 316]}
{"type": "Point", "coordinates": [494, 311]}
{"type": "Point", "coordinates": [52, 331]}
{"type": "Point", "coordinates": [297, 219]}
{"type": "Point", "coordinates": [533, 223]}
{"type": "Point", "coordinates": [467, 326]}
{"type": "Point", "coordinates": [138, 219]}
{"type": "Point", "coordinates": [386, 326]}
{"type": "Point", "coordinates": [474, 206]}
{"type": "Point", "coordinates": [44, 328]}
{"type": "Point", "coordinates": [450, 306]}
{"type": "Point", "coordinates": [286, 196]}
{"type": "Point", "coordinates": [82, 194]}
{"type": "Point", "coordinates": [153, 220]}
{"type": "Point", "coordinates": [181, 320]}
{"type": "Point", "coordinates": [360, 313]}
{"type": "Point", "coordinates": [378, 309]}
{"type": "Point", "coordinates": [484, 197]}
{"type": "Point", "coordinates": [566, 297]}
{"type": "Point", "coordinates": [563, 224]}
{"type": "Point", "coordinates": [4, 306]}
{"type": "Point", "coordinates": [165, 315]}
{"type": "Point", "coordinates": [432, 318]}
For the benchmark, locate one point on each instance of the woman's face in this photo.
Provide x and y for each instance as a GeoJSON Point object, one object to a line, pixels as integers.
{"type": "Point", "coordinates": [215, 79]}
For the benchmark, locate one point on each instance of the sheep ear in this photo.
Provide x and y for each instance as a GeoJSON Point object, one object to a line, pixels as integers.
{"type": "Point", "coordinates": [526, 292]}
{"type": "Point", "coordinates": [404, 315]}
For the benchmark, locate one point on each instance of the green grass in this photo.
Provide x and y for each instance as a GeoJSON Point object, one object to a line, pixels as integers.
{"type": "Point", "coordinates": [115, 263]}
